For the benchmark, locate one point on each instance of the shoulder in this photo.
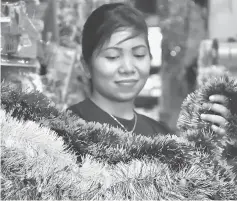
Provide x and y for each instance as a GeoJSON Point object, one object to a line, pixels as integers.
{"type": "Point", "coordinates": [78, 108]}
{"type": "Point", "coordinates": [157, 126]}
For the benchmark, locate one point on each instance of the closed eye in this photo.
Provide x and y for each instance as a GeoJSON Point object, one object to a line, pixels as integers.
{"type": "Point", "coordinates": [112, 58]}
{"type": "Point", "coordinates": [140, 55]}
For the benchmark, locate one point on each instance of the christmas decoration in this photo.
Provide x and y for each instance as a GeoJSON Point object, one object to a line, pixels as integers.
{"type": "Point", "coordinates": [45, 170]}
{"type": "Point", "coordinates": [196, 130]}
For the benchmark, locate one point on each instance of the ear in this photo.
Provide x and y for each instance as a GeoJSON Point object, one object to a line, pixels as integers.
{"type": "Point", "coordinates": [86, 68]}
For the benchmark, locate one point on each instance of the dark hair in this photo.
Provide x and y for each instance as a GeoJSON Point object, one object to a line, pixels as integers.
{"type": "Point", "coordinates": [105, 20]}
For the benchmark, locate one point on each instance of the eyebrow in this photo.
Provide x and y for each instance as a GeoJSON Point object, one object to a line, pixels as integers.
{"type": "Point", "coordinates": [118, 48]}
{"type": "Point", "coordinates": [127, 38]}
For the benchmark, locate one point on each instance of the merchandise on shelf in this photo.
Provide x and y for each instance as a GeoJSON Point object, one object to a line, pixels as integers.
{"type": "Point", "coordinates": [20, 32]}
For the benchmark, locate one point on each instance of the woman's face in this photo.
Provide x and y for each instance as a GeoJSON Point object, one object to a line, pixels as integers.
{"type": "Point", "coordinates": [120, 68]}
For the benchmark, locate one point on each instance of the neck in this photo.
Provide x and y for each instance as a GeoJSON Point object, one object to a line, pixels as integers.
{"type": "Point", "coordinates": [123, 110]}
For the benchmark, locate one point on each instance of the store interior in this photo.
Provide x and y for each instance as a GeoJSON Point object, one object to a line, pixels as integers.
{"type": "Point", "coordinates": [40, 50]}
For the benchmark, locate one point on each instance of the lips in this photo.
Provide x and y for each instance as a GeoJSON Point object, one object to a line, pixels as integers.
{"type": "Point", "coordinates": [127, 82]}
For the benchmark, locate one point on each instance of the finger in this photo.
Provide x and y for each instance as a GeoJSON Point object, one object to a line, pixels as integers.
{"type": "Point", "coordinates": [218, 108]}
{"type": "Point", "coordinates": [220, 131]}
{"type": "Point", "coordinates": [219, 99]}
{"type": "Point", "coordinates": [215, 119]}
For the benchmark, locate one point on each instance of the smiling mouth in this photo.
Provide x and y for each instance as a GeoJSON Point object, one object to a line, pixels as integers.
{"type": "Point", "coordinates": [126, 82]}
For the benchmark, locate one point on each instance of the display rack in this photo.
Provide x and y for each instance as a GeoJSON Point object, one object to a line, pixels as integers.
{"type": "Point", "coordinates": [20, 35]}
{"type": "Point", "coordinates": [13, 65]}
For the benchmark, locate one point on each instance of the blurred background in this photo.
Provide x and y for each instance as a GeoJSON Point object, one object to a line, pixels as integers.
{"type": "Point", "coordinates": [189, 39]}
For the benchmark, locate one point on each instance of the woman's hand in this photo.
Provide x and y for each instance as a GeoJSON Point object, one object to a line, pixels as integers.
{"type": "Point", "coordinates": [218, 105]}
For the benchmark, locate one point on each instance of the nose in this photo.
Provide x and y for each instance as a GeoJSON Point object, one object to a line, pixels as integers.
{"type": "Point", "coordinates": [127, 65]}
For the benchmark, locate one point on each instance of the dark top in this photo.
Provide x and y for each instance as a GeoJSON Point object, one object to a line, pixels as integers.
{"type": "Point", "coordinates": [90, 112]}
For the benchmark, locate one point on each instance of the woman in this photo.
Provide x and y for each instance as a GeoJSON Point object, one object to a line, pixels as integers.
{"type": "Point", "coordinates": [117, 58]}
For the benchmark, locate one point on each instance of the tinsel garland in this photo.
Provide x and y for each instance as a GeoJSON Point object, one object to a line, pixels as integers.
{"type": "Point", "coordinates": [196, 165]}
{"type": "Point", "coordinates": [101, 141]}
{"type": "Point", "coordinates": [35, 165]}
{"type": "Point", "coordinates": [198, 131]}
{"type": "Point", "coordinates": [104, 143]}
{"type": "Point", "coordinates": [113, 145]}
{"type": "Point", "coordinates": [27, 105]}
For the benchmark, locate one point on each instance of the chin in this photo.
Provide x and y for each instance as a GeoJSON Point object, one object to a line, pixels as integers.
{"type": "Point", "coordinates": [126, 97]}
